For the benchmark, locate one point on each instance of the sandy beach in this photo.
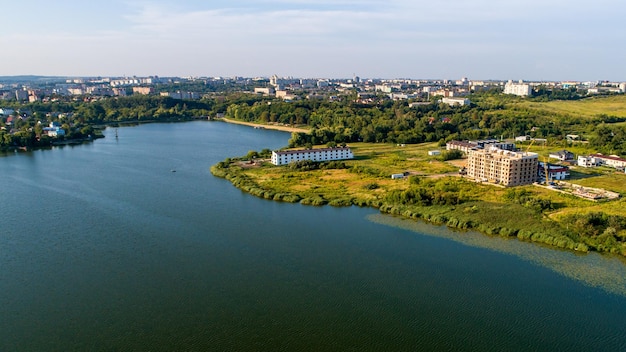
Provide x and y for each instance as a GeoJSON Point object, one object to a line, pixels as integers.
{"type": "Point", "coordinates": [269, 127]}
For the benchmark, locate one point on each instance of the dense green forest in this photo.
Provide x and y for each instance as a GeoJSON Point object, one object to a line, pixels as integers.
{"type": "Point", "coordinates": [78, 118]}
{"type": "Point", "coordinates": [339, 121]}
{"type": "Point", "coordinates": [396, 122]}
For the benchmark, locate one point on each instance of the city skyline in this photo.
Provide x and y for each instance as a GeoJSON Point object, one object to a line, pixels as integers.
{"type": "Point", "coordinates": [486, 39]}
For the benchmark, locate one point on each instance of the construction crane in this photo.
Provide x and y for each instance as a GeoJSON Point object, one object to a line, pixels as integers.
{"type": "Point", "coordinates": [546, 168]}
{"type": "Point", "coordinates": [532, 141]}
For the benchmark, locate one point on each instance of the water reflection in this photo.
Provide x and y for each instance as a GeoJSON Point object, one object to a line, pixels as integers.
{"type": "Point", "coordinates": [592, 269]}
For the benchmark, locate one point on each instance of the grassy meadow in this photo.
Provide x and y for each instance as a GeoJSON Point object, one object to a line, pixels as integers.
{"type": "Point", "coordinates": [588, 107]}
{"type": "Point", "coordinates": [529, 212]}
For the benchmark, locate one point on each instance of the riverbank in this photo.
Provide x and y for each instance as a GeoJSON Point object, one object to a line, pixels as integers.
{"type": "Point", "coordinates": [268, 126]}
{"type": "Point", "coordinates": [528, 213]}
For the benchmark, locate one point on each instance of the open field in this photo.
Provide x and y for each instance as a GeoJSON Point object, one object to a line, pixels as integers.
{"type": "Point", "coordinates": [588, 107]}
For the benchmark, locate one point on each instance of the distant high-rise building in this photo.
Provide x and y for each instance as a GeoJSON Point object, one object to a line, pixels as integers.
{"type": "Point", "coordinates": [21, 94]}
{"type": "Point", "coordinates": [519, 89]}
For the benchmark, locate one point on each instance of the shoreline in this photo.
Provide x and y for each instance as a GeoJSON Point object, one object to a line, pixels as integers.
{"type": "Point", "coordinates": [446, 201]}
{"type": "Point", "coordinates": [268, 127]}
{"type": "Point", "coordinates": [246, 184]}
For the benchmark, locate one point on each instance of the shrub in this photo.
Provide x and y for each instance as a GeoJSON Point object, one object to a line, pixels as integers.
{"type": "Point", "coordinates": [341, 202]}
{"type": "Point", "coordinates": [371, 186]}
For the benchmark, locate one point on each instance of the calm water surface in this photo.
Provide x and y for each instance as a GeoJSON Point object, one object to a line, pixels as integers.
{"type": "Point", "coordinates": [103, 247]}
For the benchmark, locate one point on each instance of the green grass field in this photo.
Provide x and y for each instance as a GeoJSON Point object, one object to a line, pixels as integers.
{"type": "Point", "coordinates": [588, 107]}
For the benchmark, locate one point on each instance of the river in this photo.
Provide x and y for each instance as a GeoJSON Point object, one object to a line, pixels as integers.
{"type": "Point", "coordinates": [130, 243]}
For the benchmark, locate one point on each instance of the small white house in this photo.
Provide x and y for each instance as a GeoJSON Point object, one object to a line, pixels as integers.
{"type": "Point", "coordinates": [562, 155]}
{"type": "Point", "coordinates": [434, 152]}
{"type": "Point", "coordinates": [588, 161]}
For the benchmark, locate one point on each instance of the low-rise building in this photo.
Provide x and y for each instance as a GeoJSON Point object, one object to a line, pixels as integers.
{"type": "Point", "coordinates": [181, 95]}
{"type": "Point", "coordinates": [456, 101]}
{"type": "Point", "coordinates": [54, 130]}
{"type": "Point", "coordinates": [321, 154]}
{"type": "Point", "coordinates": [562, 155]}
{"type": "Point", "coordinates": [485, 143]}
{"type": "Point", "coordinates": [610, 160]}
{"type": "Point", "coordinates": [265, 91]}
{"type": "Point", "coordinates": [587, 161]}
{"type": "Point", "coordinates": [143, 90]}
{"type": "Point", "coordinates": [502, 167]}
{"type": "Point", "coordinates": [555, 172]}
{"type": "Point", "coordinates": [464, 146]}
{"type": "Point", "coordinates": [6, 112]}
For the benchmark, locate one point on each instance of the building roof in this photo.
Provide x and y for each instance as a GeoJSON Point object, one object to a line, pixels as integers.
{"type": "Point", "coordinates": [608, 157]}
{"type": "Point", "coordinates": [467, 144]}
{"type": "Point", "coordinates": [287, 152]}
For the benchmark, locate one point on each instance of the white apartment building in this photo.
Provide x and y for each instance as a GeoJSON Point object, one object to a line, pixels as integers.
{"type": "Point", "coordinates": [456, 101]}
{"type": "Point", "coordinates": [519, 89]}
{"type": "Point", "coordinates": [502, 167]}
{"type": "Point", "coordinates": [321, 154]}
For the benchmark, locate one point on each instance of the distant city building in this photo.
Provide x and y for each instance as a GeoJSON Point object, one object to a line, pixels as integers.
{"type": "Point", "coordinates": [76, 91]}
{"type": "Point", "coordinates": [456, 101]}
{"type": "Point", "coordinates": [519, 89]}
{"type": "Point", "coordinates": [569, 84]}
{"type": "Point", "coordinates": [143, 90]}
{"type": "Point", "coordinates": [100, 91]}
{"type": "Point", "coordinates": [401, 96]}
{"type": "Point", "coordinates": [6, 112]}
{"type": "Point", "coordinates": [181, 95]}
{"type": "Point", "coordinates": [321, 154]}
{"type": "Point", "coordinates": [284, 81]}
{"type": "Point", "coordinates": [502, 167]}
{"type": "Point", "coordinates": [322, 83]}
{"type": "Point", "coordinates": [462, 82]}
{"type": "Point", "coordinates": [21, 94]}
{"type": "Point", "coordinates": [383, 88]}
{"type": "Point", "coordinates": [419, 103]}
{"type": "Point", "coordinates": [264, 91]}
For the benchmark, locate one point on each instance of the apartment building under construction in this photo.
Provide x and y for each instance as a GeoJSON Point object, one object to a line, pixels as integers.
{"type": "Point", "coordinates": [504, 167]}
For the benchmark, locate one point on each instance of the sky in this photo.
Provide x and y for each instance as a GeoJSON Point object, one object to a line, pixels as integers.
{"type": "Point", "coordinates": [445, 39]}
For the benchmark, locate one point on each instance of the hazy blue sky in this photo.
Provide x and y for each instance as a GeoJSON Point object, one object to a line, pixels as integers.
{"type": "Point", "coordinates": [478, 39]}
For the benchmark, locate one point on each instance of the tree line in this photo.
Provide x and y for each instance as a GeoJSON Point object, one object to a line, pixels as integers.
{"type": "Point", "coordinates": [343, 120]}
